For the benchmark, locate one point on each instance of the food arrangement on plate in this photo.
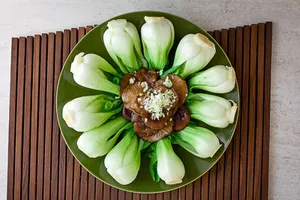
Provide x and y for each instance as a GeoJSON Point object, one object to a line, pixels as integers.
{"type": "Point", "coordinates": [148, 102]}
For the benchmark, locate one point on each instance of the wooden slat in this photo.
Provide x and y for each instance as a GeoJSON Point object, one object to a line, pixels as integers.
{"type": "Point", "coordinates": [197, 189]}
{"type": "Point", "coordinates": [49, 116]}
{"type": "Point", "coordinates": [99, 189]}
{"type": "Point", "coordinates": [229, 152]}
{"type": "Point", "coordinates": [27, 116]}
{"type": "Point", "coordinates": [34, 117]}
{"type": "Point", "coordinates": [259, 110]}
{"type": "Point", "coordinates": [252, 112]}
{"type": "Point", "coordinates": [182, 193]}
{"type": "Point", "coordinates": [55, 133]}
{"type": "Point", "coordinates": [244, 116]}
{"type": "Point", "coordinates": [106, 191]}
{"type": "Point", "coordinates": [49, 170]}
{"type": "Point", "coordinates": [237, 135]}
{"type": "Point", "coordinates": [204, 188]}
{"type": "Point", "coordinates": [41, 118]}
{"type": "Point", "coordinates": [92, 186]}
{"type": "Point", "coordinates": [12, 118]}
{"type": "Point", "coordinates": [19, 119]}
{"type": "Point", "coordinates": [266, 126]}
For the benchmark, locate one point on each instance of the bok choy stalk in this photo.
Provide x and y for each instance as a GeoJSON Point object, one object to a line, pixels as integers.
{"type": "Point", "coordinates": [164, 163]}
{"type": "Point", "coordinates": [99, 141]}
{"type": "Point", "coordinates": [212, 110]}
{"type": "Point", "coordinates": [123, 44]}
{"type": "Point", "coordinates": [157, 39]}
{"type": "Point", "coordinates": [199, 141]}
{"type": "Point", "coordinates": [193, 53]}
{"type": "Point", "coordinates": [124, 160]}
{"type": "Point", "coordinates": [88, 71]}
{"type": "Point", "coordinates": [217, 79]}
{"type": "Point", "coordinates": [87, 112]}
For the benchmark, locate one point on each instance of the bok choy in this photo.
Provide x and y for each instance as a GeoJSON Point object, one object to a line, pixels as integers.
{"type": "Point", "coordinates": [87, 112]}
{"type": "Point", "coordinates": [99, 141]}
{"type": "Point", "coordinates": [157, 39]}
{"type": "Point", "coordinates": [122, 42]}
{"type": "Point", "coordinates": [217, 79]}
{"type": "Point", "coordinates": [212, 110]}
{"type": "Point", "coordinates": [88, 71]}
{"type": "Point", "coordinates": [164, 163]}
{"type": "Point", "coordinates": [199, 141]}
{"type": "Point", "coordinates": [124, 160]}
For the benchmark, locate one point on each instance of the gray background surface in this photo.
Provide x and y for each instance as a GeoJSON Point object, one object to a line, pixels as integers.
{"type": "Point", "coordinates": [27, 17]}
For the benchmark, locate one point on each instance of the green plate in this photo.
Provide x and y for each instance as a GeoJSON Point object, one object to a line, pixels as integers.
{"type": "Point", "coordinates": [67, 90]}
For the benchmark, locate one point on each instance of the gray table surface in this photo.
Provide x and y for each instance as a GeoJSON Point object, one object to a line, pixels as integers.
{"type": "Point", "coordinates": [27, 17]}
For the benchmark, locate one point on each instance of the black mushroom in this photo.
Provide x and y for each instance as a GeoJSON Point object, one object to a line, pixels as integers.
{"type": "Point", "coordinates": [142, 88]}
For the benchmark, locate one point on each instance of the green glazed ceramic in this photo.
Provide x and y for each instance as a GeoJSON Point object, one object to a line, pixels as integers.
{"type": "Point", "coordinates": [67, 90]}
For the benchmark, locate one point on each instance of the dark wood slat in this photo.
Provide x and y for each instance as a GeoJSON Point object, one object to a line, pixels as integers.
{"type": "Point", "coordinates": [212, 182]}
{"type": "Point", "coordinates": [197, 189]}
{"type": "Point", "coordinates": [88, 28]}
{"type": "Point", "coordinates": [237, 135]}
{"type": "Point", "coordinates": [152, 197]}
{"type": "Point", "coordinates": [204, 186]}
{"type": "Point", "coordinates": [106, 191]}
{"type": "Point", "coordinates": [259, 111]}
{"type": "Point", "coordinates": [12, 118]}
{"type": "Point", "coordinates": [41, 119]}
{"type": "Point", "coordinates": [136, 196]}
{"type": "Point", "coordinates": [252, 112]}
{"type": "Point", "coordinates": [27, 116]}
{"type": "Point", "coordinates": [189, 192]}
{"type": "Point", "coordinates": [160, 196]}
{"type": "Point", "coordinates": [99, 189]}
{"type": "Point", "coordinates": [266, 126]}
{"type": "Point", "coordinates": [49, 115]}
{"type": "Point", "coordinates": [55, 130]}
{"type": "Point", "coordinates": [229, 151]}
{"type": "Point", "coordinates": [174, 194]}
{"type": "Point", "coordinates": [113, 193]}
{"type": "Point", "coordinates": [34, 117]}
{"type": "Point", "coordinates": [63, 148]}
{"type": "Point", "coordinates": [222, 39]}
{"type": "Point", "coordinates": [19, 118]}
{"type": "Point", "coordinates": [244, 116]}
{"type": "Point", "coordinates": [92, 187]}
{"type": "Point", "coordinates": [128, 195]}
{"type": "Point", "coordinates": [143, 196]}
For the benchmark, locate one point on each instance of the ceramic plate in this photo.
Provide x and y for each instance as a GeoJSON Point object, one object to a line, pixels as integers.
{"type": "Point", "coordinates": [67, 90]}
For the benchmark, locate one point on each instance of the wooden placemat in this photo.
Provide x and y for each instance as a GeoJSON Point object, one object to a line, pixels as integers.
{"type": "Point", "coordinates": [41, 167]}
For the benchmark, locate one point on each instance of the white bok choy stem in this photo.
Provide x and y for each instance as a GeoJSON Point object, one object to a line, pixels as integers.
{"type": "Point", "coordinates": [199, 141]}
{"type": "Point", "coordinates": [217, 79]}
{"type": "Point", "coordinates": [212, 110]}
{"type": "Point", "coordinates": [99, 141]}
{"type": "Point", "coordinates": [87, 112]}
{"type": "Point", "coordinates": [123, 44]}
{"type": "Point", "coordinates": [169, 166]}
{"type": "Point", "coordinates": [193, 53]}
{"type": "Point", "coordinates": [88, 71]}
{"type": "Point", "coordinates": [157, 39]}
{"type": "Point", "coordinates": [124, 160]}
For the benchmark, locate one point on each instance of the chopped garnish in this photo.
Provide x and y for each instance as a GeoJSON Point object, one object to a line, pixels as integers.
{"type": "Point", "coordinates": [168, 83]}
{"type": "Point", "coordinates": [131, 80]}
